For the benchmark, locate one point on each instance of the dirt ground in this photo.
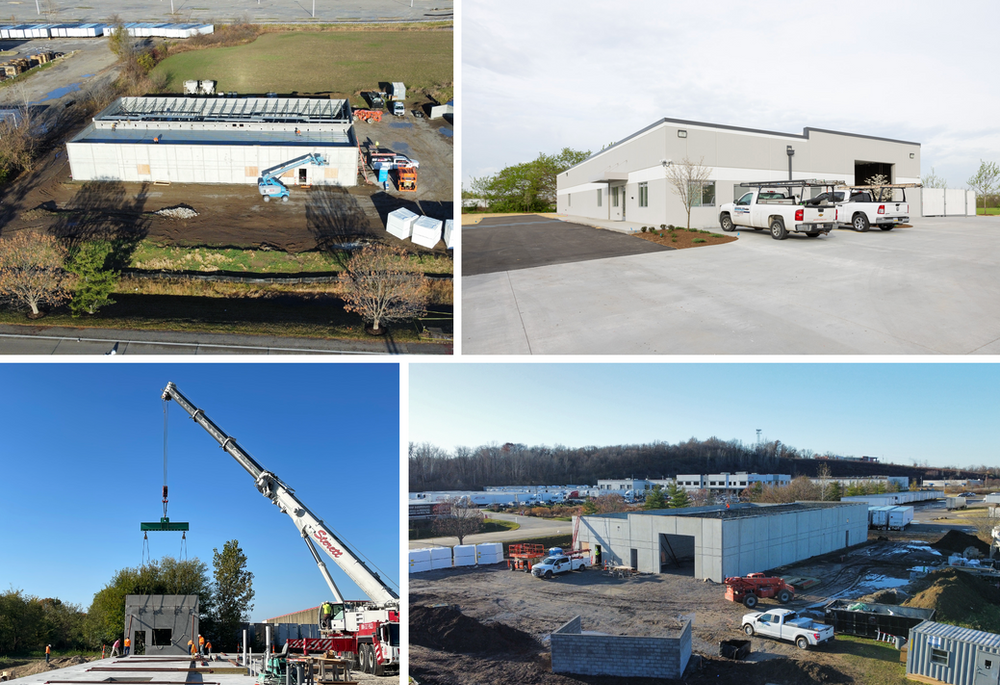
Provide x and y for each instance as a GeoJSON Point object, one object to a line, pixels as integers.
{"type": "Point", "coordinates": [682, 238]}
{"type": "Point", "coordinates": [31, 667]}
{"type": "Point", "coordinates": [644, 605]}
{"type": "Point", "coordinates": [228, 215]}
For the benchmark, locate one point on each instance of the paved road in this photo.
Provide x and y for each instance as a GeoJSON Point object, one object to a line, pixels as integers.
{"type": "Point", "coordinates": [531, 527]}
{"type": "Point", "coordinates": [522, 242]}
{"type": "Point", "coordinates": [62, 340]}
{"type": "Point", "coordinates": [216, 11]}
{"type": "Point", "coordinates": [930, 289]}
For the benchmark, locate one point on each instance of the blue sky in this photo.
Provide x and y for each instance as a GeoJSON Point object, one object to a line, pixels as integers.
{"type": "Point", "coordinates": [942, 413]}
{"type": "Point", "coordinates": [82, 462]}
{"type": "Point", "coordinates": [540, 76]}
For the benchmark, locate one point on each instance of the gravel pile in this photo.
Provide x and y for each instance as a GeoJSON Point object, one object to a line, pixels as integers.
{"type": "Point", "coordinates": [178, 212]}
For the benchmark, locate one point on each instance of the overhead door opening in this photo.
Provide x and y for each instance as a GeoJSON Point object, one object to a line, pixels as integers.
{"type": "Point", "coordinates": [677, 554]}
{"type": "Point", "coordinates": [863, 171]}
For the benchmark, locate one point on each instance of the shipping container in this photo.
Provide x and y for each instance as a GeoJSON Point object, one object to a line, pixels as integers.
{"type": "Point", "coordinates": [956, 503]}
{"type": "Point", "coordinates": [900, 517]}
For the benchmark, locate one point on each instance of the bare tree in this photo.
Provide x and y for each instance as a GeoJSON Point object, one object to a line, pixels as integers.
{"type": "Point", "coordinates": [882, 194]}
{"type": "Point", "coordinates": [31, 271]}
{"type": "Point", "coordinates": [985, 181]}
{"type": "Point", "coordinates": [465, 519]}
{"type": "Point", "coordinates": [688, 179]}
{"type": "Point", "coordinates": [18, 137]}
{"type": "Point", "coordinates": [823, 474]}
{"type": "Point", "coordinates": [381, 286]}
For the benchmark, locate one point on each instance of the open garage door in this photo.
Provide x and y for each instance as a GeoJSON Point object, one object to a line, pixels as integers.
{"type": "Point", "coordinates": [865, 170]}
{"type": "Point", "coordinates": [677, 554]}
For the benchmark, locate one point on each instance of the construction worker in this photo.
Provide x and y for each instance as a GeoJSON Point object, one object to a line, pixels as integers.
{"type": "Point", "coordinates": [48, 652]}
{"type": "Point", "coordinates": [208, 647]}
{"type": "Point", "coordinates": [128, 643]}
{"type": "Point", "coordinates": [114, 648]}
{"type": "Point", "coordinates": [201, 644]}
{"type": "Point", "coordinates": [327, 615]}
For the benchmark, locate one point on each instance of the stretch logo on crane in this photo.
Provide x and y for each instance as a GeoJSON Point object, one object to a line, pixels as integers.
{"type": "Point", "coordinates": [322, 539]}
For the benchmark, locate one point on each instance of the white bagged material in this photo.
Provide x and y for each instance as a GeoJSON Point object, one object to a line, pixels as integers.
{"type": "Point", "coordinates": [465, 555]}
{"type": "Point", "coordinates": [426, 231]}
{"type": "Point", "coordinates": [440, 557]}
{"type": "Point", "coordinates": [420, 560]}
{"type": "Point", "coordinates": [449, 226]}
{"type": "Point", "coordinates": [400, 223]}
{"type": "Point", "coordinates": [489, 553]}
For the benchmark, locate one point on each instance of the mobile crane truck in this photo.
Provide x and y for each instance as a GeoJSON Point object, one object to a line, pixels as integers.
{"type": "Point", "coordinates": [367, 630]}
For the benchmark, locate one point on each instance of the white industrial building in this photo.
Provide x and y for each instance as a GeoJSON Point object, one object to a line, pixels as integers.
{"type": "Point", "coordinates": [733, 483]}
{"type": "Point", "coordinates": [628, 180]}
{"type": "Point", "coordinates": [903, 482]}
{"type": "Point", "coordinates": [718, 542]}
{"type": "Point", "coordinates": [216, 140]}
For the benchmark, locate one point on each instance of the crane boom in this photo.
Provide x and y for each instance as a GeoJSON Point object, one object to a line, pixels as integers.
{"type": "Point", "coordinates": [310, 527]}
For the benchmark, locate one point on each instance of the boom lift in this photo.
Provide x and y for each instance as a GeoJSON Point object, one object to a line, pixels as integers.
{"type": "Point", "coordinates": [367, 630]}
{"type": "Point", "coordinates": [269, 184]}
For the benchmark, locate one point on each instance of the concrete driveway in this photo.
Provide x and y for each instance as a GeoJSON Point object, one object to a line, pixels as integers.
{"type": "Point", "coordinates": [930, 289]}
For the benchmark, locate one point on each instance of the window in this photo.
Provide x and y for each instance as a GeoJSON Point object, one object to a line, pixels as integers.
{"type": "Point", "coordinates": [745, 200]}
{"type": "Point", "coordinates": [705, 195]}
{"type": "Point", "coordinates": [598, 197]}
{"type": "Point", "coordinates": [569, 200]}
{"type": "Point", "coordinates": [643, 194]}
{"type": "Point", "coordinates": [161, 637]}
{"type": "Point", "coordinates": [940, 656]}
{"type": "Point", "coordinates": [614, 196]}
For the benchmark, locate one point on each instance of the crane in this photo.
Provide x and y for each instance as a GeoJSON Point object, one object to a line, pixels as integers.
{"type": "Point", "coordinates": [369, 630]}
{"type": "Point", "coordinates": [269, 184]}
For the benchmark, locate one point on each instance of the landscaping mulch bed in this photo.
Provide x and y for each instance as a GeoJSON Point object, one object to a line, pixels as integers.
{"type": "Point", "coordinates": [680, 238]}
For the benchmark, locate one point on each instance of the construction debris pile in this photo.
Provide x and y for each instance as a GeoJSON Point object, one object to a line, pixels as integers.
{"type": "Point", "coordinates": [180, 212]}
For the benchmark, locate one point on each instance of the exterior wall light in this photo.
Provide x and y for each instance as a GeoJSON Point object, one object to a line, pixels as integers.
{"type": "Point", "coordinates": [912, 155]}
{"type": "Point", "coordinates": [681, 133]}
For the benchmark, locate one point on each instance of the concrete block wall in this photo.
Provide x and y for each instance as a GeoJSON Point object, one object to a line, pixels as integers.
{"type": "Point", "coordinates": [618, 655]}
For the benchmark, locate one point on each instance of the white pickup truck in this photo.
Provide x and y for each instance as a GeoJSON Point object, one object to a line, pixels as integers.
{"type": "Point", "coordinates": [861, 207]}
{"type": "Point", "coordinates": [774, 205]}
{"type": "Point", "coordinates": [785, 624]}
{"type": "Point", "coordinates": [555, 565]}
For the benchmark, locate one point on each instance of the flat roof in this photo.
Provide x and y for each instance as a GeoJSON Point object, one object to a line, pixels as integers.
{"type": "Point", "coordinates": [145, 136]}
{"type": "Point", "coordinates": [746, 510]}
{"type": "Point", "coordinates": [224, 109]}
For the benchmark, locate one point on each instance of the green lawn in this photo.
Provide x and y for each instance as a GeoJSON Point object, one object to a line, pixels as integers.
{"type": "Point", "coordinates": [877, 660]}
{"type": "Point", "coordinates": [345, 62]}
{"type": "Point", "coordinates": [989, 210]}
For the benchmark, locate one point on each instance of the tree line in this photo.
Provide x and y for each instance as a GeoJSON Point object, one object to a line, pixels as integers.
{"type": "Point", "coordinates": [526, 187]}
{"type": "Point", "coordinates": [29, 623]}
{"type": "Point", "coordinates": [433, 468]}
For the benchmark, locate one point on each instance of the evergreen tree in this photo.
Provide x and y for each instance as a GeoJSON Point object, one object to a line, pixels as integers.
{"type": "Point", "coordinates": [655, 499]}
{"type": "Point", "coordinates": [233, 592]}
{"type": "Point", "coordinates": [834, 492]}
{"type": "Point", "coordinates": [95, 279]}
{"type": "Point", "coordinates": [678, 497]}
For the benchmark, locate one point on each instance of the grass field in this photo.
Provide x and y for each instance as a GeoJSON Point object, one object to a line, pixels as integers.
{"type": "Point", "coordinates": [992, 211]}
{"type": "Point", "coordinates": [343, 63]}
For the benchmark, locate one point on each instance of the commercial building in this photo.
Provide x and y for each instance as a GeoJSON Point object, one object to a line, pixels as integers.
{"type": "Point", "coordinates": [628, 181]}
{"type": "Point", "coordinates": [902, 482]}
{"type": "Point", "coordinates": [731, 483]}
{"type": "Point", "coordinates": [717, 542]}
{"type": "Point", "coordinates": [216, 140]}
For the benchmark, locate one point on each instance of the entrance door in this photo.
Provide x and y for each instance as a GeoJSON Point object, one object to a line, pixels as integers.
{"type": "Point", "coordinates": [634, 560]}
{"type": "Point", "coordinates": [302, 177]}
{"type": "Point", "coordinates": [139, 643]}
{"type": "Point", "coordinates": [987, 669]}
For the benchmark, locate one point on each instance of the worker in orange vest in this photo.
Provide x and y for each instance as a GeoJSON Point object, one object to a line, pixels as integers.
{"type": "Point", "coordinates": [208, 647]}
{"type": "Point", "coordinates": [128, 643]}
{"type": "Point", "coordinates": [48, 651]}
{"type": "Point", "coordinates": [194, 650]}
{"type": "Point", "coordinates": [201, 644]}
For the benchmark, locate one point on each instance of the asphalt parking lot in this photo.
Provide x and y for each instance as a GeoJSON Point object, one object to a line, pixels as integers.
{"type": "Point", "coordinates": [929, 289]}
{"type": "Point", "coordinates": [522, 242]}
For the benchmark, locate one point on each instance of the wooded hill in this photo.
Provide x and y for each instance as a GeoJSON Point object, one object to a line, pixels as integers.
{"type": "Point", "coordinates": [432, 468]}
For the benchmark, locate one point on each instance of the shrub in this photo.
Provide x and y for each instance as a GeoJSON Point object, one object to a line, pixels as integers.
{"type": "Point", "coordinates": [643, 229]}
{"type": "Point", "coordinates": [699, 240]}
{"type": "Point", "coordinates": [662, 226]}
